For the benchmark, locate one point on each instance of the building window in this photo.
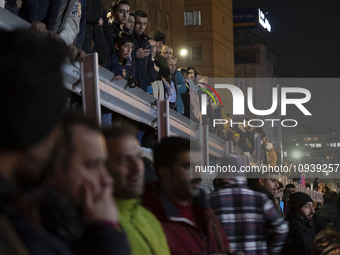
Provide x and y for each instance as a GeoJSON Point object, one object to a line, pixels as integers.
{"type": "Point", "coordinates": [318, 145]}
{"type": "Point", "coordinates": [332, 145]}
{"type": "Point", "coordinates": [192, 18]}
{"type": "Point", "coordinates": [196, 53]}
{"type": "Point", "coordinates": [246, 56]}
{"type": "Point", "coordinates": [338, 144]}
{"type": "Point", "coordinates": [315, 138]}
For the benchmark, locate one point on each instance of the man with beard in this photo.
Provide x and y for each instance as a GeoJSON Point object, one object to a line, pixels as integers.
{"type": "Point", "coordinates": [126, 166]}
{"type": "Point", "coordinates": [268, 185]}
{"type": "Point", "coordinates": [31, 101]}
{"type": "Point", "coordinates": [178, 202]}
{"type": "Point", "coordinates": [301, 227]}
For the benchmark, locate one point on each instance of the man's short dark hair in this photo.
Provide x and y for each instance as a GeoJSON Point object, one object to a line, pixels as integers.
{"type": "Point", "coordinates": [115, 4]}
{"type": "Point", "coordinates": [65, 147]}
{"type": "Point", "coordinates": [115, 132]}
{"type": "Point", "coordinates": [183, 70]}
{"type": "Point", "coordinates": [140, 13]}
{"type": "Point", "coordinates": [290, 186]}
{"type": "Point", "coordinates": [158, 35]}
{"type": "Point", "coordinates": [132, 14]}
{"type": "Point", "coordinates": [123, 37]}
{"type": "Point", "coordinates": [169, 148]}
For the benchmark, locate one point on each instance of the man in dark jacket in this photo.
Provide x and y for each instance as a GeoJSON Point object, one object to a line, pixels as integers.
{"type": "Point", "coordinates": [190, 226]}
{"type": "Point", "coordinates": [144, 72]}
{"type": "Point", "coordinates": [118, 17]}
{"type": "Point", "coordinates": [328, 212]}
{"type": "Point", "coordinates": [95, 40]}
{"type": "Point", "coordinates": [301, 227]}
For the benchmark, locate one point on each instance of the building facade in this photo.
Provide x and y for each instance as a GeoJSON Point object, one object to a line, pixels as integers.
{"type": "Point", "coordinates": [255, 63]}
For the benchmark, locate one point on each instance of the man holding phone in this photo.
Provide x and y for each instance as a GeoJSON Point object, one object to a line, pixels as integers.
{"type": "Point", "coordinates": [144, 72]}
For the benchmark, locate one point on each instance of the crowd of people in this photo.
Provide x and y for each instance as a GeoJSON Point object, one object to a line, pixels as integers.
{"type": "Point", "coordinates": [69, 186]}
{"type": "Point", "coordinates": [118, 36]}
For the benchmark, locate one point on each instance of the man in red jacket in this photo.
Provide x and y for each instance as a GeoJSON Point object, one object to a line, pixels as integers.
{"type": "Point", "coordinates": [180, 205]}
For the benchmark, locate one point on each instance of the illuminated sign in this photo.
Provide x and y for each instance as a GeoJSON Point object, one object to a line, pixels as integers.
{"type": "Point", "coordinates": [264, 21]}
{"type": "Point", "coordinates": [244, 17]}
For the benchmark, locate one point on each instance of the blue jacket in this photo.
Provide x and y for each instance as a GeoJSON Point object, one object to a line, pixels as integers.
{"type": "Point", "coordinates": [45, 11]}
{"type": "Point", "coordinates": [143, 71]}
{"type": "Point", "coordinates": [181, 89]}
{"type": "Point", "coordinates": [115, 64]}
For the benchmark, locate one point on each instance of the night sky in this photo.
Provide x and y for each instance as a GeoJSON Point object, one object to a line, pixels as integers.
{"type": "Point", "coordinates": [306, 40]}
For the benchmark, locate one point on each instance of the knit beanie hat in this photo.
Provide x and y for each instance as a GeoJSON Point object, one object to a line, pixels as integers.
{"type": "Point", "coordinates": [298, 200]}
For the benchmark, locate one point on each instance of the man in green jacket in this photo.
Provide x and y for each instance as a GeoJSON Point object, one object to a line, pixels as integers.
{"type": "Point", "coordinates": [125, 164]}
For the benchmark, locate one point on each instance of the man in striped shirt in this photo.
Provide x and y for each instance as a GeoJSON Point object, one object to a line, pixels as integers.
{"type": "Point", "coordinates": [250, 220]}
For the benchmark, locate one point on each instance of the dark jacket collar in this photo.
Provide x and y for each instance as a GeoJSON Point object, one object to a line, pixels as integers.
{"type": "Point", "coordinates": [298, 218]}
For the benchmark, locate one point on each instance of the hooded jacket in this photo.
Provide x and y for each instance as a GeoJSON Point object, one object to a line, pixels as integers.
{"type": "Point", "coordinates": [184, 236]}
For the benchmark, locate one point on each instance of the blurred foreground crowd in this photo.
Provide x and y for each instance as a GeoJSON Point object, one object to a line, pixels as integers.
{"type": "Point", "coordinates": [70, 187]}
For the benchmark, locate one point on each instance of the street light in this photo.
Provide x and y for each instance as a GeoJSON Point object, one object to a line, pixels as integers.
{"type": "Point", "coordinates": [296, 154]}
{"type": "Point", "coordinates": [183, 52]}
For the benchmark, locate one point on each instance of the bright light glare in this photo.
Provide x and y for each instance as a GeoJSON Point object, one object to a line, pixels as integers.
{"type": "Point", "coordinates": [296, 154]}
{"type": "Point", "coordinates": [183, 52]}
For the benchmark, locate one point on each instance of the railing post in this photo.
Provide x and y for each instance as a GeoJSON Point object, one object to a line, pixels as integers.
{"type": "Point", "coordinates": [246, 159]}
{"type": "Point", "coordinates": [229, 147]}
{"type": "Point", "coordinates": [258, 150]}
{"type": "Point", "coordinates": [90, 86]}
{"type": "Point", "coordinates": [163, 119]}
{"type": "Point", "coordinates": [204, 142]}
